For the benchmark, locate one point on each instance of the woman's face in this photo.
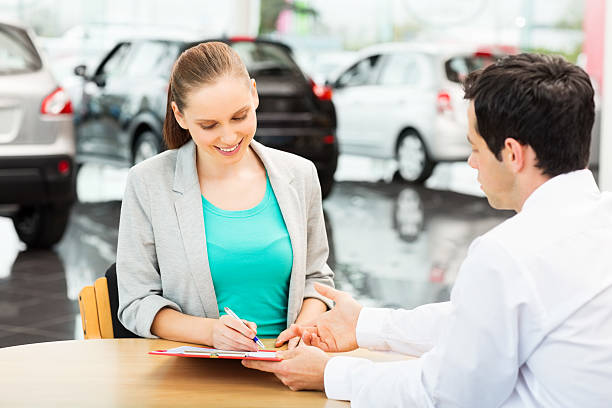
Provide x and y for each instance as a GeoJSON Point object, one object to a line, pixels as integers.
{"type": "Point", "coordinates": [221, 118]}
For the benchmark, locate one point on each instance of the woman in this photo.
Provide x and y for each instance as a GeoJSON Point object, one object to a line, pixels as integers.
{"type": "Point", "coordinates": [218, 219]}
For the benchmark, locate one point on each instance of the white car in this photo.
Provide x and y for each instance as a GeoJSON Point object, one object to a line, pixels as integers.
{"type": "Point", "coordinates": [405, 101]}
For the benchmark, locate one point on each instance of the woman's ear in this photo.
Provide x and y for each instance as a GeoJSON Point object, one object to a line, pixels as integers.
{"type": "Point", "coordinates": [254, 94]}
{"type": "Point", "coordinates": [178, 116]}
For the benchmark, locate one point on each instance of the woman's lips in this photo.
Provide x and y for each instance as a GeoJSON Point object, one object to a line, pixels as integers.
{"type": "Point", "coordinates": [228, 152]}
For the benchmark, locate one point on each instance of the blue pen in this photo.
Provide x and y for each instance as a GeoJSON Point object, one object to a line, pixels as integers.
{"type": "Point", "coordinates": [235, 316]}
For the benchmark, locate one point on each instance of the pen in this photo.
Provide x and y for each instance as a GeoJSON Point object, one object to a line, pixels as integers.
{"type": "Point", "coordinates": [235, 316]}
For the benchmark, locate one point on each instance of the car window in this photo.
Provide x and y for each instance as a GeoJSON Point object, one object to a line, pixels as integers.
{"type": "Point", "coordinates": [115, 64]}
{"type": "Point", "coordinates": [362, 73]}
{"type": "Point", "coordinates": [458, 68]}
{"type": "Point", "coordinates": [151, 57]}
{"type": "Point", "coordinates": [263, 58]}
{"type": "Point", "coordinates": [400, 69]}
{"type": "Point", "coordinates": [17, 53]}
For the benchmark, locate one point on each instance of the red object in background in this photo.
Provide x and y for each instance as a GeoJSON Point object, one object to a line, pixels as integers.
{"type": "Point", "coordinates": [63, 167]}
{"type": "Point", "coordinates": [244, 38]}
{"type": "Point", "coordinates": [436, 274]}
{"type": "Point", "coordinates": [594, 33]}
{"type": "Point", "coordinates": [323, 92]}
{"type": "Point", "coordinates": [56, 103]}
{"type": "Point", "coordinates": [443, 102]}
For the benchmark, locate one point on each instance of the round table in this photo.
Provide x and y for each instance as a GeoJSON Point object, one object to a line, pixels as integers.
{"type": "Point", "coordinates": [121, 373]}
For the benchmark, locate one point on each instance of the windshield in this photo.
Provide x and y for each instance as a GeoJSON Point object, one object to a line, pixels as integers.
{"type": "Point", "coordinates": [17, 53]}
{"type": "Point", "coordinates": [265, 59]}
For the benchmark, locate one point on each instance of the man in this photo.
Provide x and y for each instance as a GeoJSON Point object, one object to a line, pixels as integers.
{"type": "Point", "coordinates": [529, 322]}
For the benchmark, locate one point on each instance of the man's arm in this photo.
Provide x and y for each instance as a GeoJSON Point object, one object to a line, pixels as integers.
{"type": "Point", "coordinates": [410, 332]}
{"type": "Point", "coordinates": [475, 361]}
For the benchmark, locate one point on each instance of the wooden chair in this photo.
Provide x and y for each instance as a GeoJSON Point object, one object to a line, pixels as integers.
{"type": "Point", "coordinates": [98, 304]}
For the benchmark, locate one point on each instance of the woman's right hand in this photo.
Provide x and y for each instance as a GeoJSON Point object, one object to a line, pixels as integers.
{"type": "Point", "coordinates": [230, 334]}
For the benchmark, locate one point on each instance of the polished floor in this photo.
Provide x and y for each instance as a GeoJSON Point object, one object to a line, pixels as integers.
{"type": "Point", "coordinates": [391, 245]}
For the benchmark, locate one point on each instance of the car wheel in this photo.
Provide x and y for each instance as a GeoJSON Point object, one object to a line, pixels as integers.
{"type": "Point", "coordinates": [42, 226]}
{"type": "Point", "coordinates": [413, 162]}
{"type": "Point", "coordinates": [147, 145]}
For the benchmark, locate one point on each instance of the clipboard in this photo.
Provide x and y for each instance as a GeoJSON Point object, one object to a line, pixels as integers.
{"type": "Point", "coordinates": [205, 352]}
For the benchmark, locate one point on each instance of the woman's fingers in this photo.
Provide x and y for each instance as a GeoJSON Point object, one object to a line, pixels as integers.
{"type": "Point", "coordinates": [237, 325]}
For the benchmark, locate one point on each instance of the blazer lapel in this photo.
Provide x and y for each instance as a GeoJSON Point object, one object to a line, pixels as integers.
{"type": "Point", "coordinates": [190, 217]}
{"type": "Point", "coordinates": [290, 206]}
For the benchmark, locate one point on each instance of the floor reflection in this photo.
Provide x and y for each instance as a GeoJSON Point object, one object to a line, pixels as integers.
{"type": "Point", "coordinates": [401, 246]}
{"type": "Point", "coordinates": [391, 244]}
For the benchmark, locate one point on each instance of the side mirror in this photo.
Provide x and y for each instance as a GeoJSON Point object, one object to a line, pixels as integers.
{"type": "Point", "coordinates": [80, 70]}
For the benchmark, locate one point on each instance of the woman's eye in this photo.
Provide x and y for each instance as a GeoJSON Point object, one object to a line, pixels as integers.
{"type": "Point", "coordinates": [208, 127]}
{"type": "Point", "coordinates": [241, 117]}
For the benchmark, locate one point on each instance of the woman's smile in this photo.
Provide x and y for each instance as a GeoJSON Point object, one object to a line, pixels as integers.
{"type": "Point", "coordinates": [229, 151]}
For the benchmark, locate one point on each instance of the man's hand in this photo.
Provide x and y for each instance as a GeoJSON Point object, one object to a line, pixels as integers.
{"type": "Point", "coordinates": [333, 331]}
{"type": "Point", "coordinates": [302, 368]}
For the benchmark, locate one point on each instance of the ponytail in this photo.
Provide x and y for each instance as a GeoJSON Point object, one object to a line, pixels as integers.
{"type": "Point", "coordinates": [174, 135]}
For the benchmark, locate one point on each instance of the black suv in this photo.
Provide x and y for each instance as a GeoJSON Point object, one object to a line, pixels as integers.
{"type": "Point", "coordinates": [121, 116]}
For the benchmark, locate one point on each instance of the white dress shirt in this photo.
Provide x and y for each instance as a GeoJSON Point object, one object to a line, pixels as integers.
{"type": "Point", "coordinates": [529, 323]}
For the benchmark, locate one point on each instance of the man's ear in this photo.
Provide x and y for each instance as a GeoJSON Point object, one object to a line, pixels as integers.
{"type": "Point", "coordinates": [178, 115]}
{"type": "Point", "coordinates": [515, 154]}
{"type": "Point", "coordinates": [254, 94]}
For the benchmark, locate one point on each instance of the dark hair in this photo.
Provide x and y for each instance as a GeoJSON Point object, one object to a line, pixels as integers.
{"type": "Point", "coordinates": [540, 100]}
{"type": "Point", "coordinates": [199, 65]}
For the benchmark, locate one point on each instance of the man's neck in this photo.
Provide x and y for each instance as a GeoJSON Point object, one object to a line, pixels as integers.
{"type": "Point", "coordinates": [526, 184]}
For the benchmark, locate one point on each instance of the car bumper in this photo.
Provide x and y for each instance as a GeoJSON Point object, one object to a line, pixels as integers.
{"type": "Point", "coordinates": [450, 141]}
{"type": "Point", "coordinates": [30, 180]}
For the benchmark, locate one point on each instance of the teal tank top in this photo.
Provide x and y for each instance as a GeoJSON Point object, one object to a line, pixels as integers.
{"type": "Point", "coordinates": [250, 257]}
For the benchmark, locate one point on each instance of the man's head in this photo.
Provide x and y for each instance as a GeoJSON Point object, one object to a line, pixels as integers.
{"type": "Point", "coordinates": [533, 114]}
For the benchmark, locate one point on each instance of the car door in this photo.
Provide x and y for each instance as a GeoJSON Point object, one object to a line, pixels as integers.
{"type": "Point", "coordinates": [356, 114]}
{"type": "Point", "coordinates": [98, 125]}
{"type": "Point", "coordinates": [403, 98]}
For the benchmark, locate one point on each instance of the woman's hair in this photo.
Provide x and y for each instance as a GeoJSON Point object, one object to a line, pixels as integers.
{"type": "Point", "coordinates": [197, 66]}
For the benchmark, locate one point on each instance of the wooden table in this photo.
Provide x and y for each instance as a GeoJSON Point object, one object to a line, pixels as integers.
{"type": "Point", "coordinates": [120, 373]}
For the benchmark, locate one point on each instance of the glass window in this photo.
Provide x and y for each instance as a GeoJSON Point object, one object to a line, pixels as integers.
{"type": "Point", "coordinates": [115, 64]}
{"type": "Point", "coordinates": [400, 69]}
{"type": "Point", "coordinates": [362, 73]}
{"type": "Point", "coordinates": [17, 53]}
{"type": "Point", "coordinates": [263, 58]}
{"type": "Point", "coordinates": [458, 68]}
{"type": "Point", "coordinates": [151, 57]}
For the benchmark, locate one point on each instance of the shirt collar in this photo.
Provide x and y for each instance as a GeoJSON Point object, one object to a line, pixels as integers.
{"type": "Point", "coordinates": [563, 190]}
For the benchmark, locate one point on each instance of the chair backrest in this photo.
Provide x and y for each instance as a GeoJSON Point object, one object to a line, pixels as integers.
{"type": "Point", "coordinates": [99, 304]}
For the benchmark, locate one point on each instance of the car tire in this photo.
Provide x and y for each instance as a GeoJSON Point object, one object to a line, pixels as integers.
{"type": "Point", "coordinates": [41, 226]}
{"type": "Point", "coordinates": [146, 146]}
{"type": "Point", "coordinates": [327, 184]}
{"type": "Point", "coordinates": [413, 162]}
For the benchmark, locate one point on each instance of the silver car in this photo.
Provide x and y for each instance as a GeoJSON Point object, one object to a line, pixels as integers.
{"type": "Point", "coordinates": [404, 101]}
{"type": "Point", "coordinates": [37, 145]}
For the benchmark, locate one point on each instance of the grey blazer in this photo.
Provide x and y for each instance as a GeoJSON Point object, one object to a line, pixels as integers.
{"type": "Point", "coordinates": [161, 254]}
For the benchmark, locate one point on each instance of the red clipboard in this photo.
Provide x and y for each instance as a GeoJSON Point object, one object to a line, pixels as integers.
{"type": "Point", "coordinates": [206, 352]}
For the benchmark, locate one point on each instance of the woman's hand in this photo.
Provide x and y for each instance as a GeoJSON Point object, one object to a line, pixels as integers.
{"type": "Point", "coordinates": [231, 334]}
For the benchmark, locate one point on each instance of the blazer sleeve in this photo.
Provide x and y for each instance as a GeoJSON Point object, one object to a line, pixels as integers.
{"type": "Point", "coordinates": [138, 278]}
{"type": "Point", "coordinates": [317, 250]}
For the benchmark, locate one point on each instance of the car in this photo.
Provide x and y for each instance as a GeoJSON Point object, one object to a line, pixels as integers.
{"type": "Point", "coordinates": [404, 101]}
{"type": "Point", "coordinates": [123, 107]}
{"type": "Point", "coordinates": [37, 145]}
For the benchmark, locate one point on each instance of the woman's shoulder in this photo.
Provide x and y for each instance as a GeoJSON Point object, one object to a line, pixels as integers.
{"type": "Point", "coordinates": [161, 165]}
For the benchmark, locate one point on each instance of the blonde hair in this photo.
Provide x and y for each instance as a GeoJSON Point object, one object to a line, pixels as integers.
{"type": "Point", "coordinates": [199, 65]}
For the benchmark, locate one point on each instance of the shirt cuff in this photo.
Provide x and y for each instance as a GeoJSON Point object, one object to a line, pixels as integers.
{"type": "Point", "coordinates": [370, 328]}
{"type": "Point", "coordinates": [337, 376]}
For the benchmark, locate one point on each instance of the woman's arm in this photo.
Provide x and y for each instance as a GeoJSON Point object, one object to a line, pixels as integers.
{"type": "Point", "coordinates": [224, 333]}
